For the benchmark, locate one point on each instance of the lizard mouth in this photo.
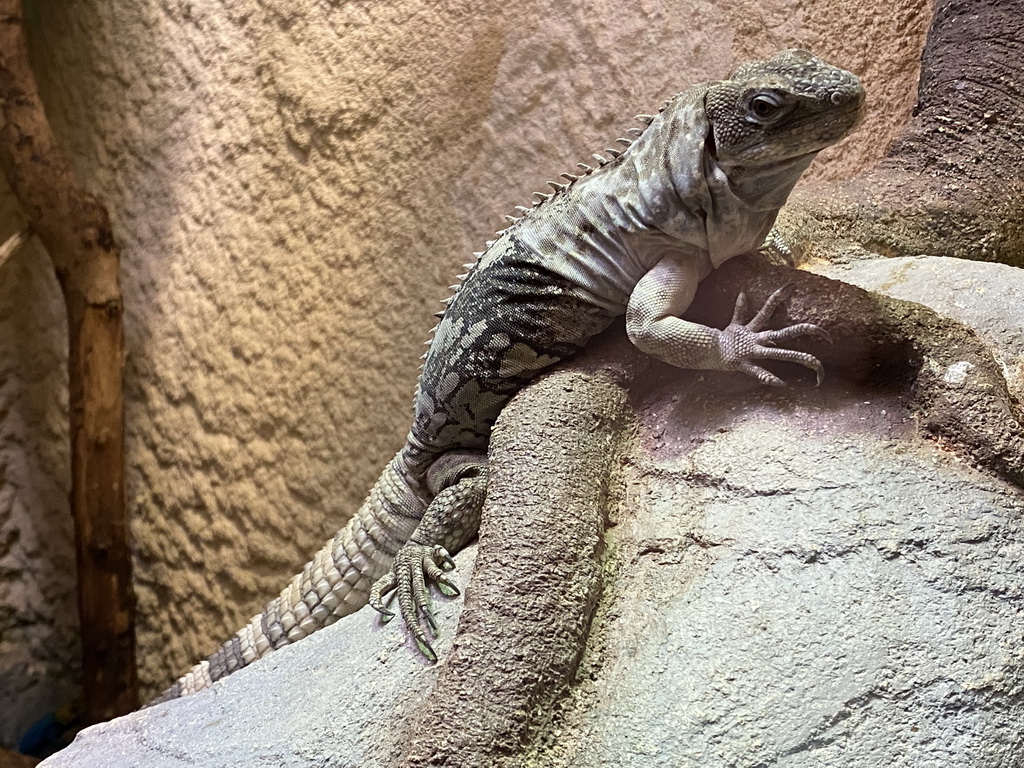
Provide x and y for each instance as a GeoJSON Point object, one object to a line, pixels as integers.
{"type": "Point", "coordinates": [794, 159]}
{"type": "Point", "coordinates": [783, 164]}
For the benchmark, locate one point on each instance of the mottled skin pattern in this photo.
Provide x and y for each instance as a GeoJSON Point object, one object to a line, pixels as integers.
{"type": "Point", "coordinates": [701, 183]}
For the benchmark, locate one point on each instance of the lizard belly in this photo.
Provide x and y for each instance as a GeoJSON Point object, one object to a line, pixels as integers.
{"type": "Point", "coordinates": [511, 319]}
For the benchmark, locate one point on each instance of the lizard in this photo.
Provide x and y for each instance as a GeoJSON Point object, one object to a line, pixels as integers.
{"type": "Point", "coordinates": [701, 182]}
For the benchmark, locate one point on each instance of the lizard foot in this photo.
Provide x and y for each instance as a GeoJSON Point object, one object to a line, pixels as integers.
{"type": "Point", "coordinates": [450, 521]}
{"type": "Point", "coordinates": [743, 343]}
{"type": "Point", "coordinates": [407, 580]}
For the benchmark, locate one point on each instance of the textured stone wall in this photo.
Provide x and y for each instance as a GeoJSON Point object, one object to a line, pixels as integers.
{"type": "Point", "coordinates": [293, 184]}
{"type": "Point", "coordinates": [38, 614]}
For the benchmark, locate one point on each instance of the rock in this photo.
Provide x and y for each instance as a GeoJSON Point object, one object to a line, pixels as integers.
{"type": "Point", "coordinates": [795, 578]}
{"type": "Point", "coordinates": [985, 296]}
{"type": "Point", "coordinates": [344, 696]}
{"type": "Point", "coordinates": [808, 583]}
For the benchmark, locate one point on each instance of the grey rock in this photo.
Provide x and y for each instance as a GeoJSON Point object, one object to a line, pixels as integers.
{"type": "Point", "coordinates": [808, 584]}
{"type": "Point", "coordinates": [985, 296]}
{"type": "Point", "coordinates": [800, 580]}
{"type": "Point", "coordinates": [342, 697]}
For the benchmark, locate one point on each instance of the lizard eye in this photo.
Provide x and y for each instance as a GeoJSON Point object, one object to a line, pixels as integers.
{"type": "Point", "coordinates": [764, 107]}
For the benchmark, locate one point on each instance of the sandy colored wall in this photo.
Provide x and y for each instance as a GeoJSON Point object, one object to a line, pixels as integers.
{"type": "Point", "coordinates": [293, 184]}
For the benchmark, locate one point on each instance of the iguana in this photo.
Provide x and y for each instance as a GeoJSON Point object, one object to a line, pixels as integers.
{"type": "Point", "coordinates": [701, 182]}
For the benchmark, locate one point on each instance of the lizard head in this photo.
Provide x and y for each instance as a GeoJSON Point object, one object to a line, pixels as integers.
{"type": "Point", "coordinates": [785, 109]}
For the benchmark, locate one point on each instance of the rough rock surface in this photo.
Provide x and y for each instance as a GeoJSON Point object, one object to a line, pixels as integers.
{"type": "Point", "coordinates": [987, 297]}
{"type": "Point", "coordinates": [807, 586]}
{"type": "Point", "coordinates": [800, 580]}
{"type": "Point", "coordinates": [345, 698]}
{"type": "Point", "coordinates": [38, 620]}
{"type": "Point", "coordinates": [293, 185]}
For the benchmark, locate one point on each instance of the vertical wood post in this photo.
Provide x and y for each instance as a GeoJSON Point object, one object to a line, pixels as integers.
{"type": "Point", "coordinates": [75, 229]}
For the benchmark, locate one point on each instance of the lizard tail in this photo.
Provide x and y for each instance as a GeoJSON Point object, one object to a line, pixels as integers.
{"type": "Point", "coordinates": [335, 583]}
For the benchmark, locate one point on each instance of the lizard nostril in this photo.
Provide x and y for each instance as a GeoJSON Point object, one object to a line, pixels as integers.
{"type": "Point", "coordinates": [839, 97]}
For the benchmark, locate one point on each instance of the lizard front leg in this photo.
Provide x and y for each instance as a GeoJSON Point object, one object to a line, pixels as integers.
{"type": "Point", "coordinates": [654, 326]}
{"type": "Point", "coordinates": [459, 481]}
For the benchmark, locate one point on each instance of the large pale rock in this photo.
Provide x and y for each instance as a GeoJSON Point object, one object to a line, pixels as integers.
{"type": "Point", "coordinates": [807, 585]}
{"type": "Point", "coordinates": [799, 580]}
{"type": "Point", "coordinates": [987, 297]}
{"type": "Point", "coordinates": [346, 697]}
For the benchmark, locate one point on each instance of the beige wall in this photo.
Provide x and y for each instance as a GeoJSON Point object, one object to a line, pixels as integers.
{"type": "Point", "coordinates": [293, 184]}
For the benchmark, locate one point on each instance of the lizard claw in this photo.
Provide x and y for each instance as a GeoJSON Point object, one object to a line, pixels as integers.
{"type": "Point", "coordinates": [382, 585]}
{"type": "Point", "coordinates": [407, 581]}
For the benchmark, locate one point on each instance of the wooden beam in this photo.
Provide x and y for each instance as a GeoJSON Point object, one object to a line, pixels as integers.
{"type": "Point", "coordinates": [75, 229]}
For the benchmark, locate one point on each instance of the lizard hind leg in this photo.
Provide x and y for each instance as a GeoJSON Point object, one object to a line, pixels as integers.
{"type": "Point", "coordinates": [458, 480]}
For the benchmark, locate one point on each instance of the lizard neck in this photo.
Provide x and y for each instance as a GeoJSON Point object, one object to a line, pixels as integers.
{"type": "Point", "coordinates": [683, 191]}
{"type": "Point", "coordinates": [766, 187]}
{"type": "Point", "coordinates": [738, 204]}
{"type": "Point", "coordinates": [666, 194]}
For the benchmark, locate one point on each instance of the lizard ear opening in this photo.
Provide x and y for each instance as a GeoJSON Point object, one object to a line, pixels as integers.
{"type": "Point", "coordinates": [709, 143]}
{"type": "Point", "coordinates": [709, 139]}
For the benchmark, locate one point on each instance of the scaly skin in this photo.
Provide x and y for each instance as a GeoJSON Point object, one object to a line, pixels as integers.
{"type": "Point", "coordinates": [701, 183]}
